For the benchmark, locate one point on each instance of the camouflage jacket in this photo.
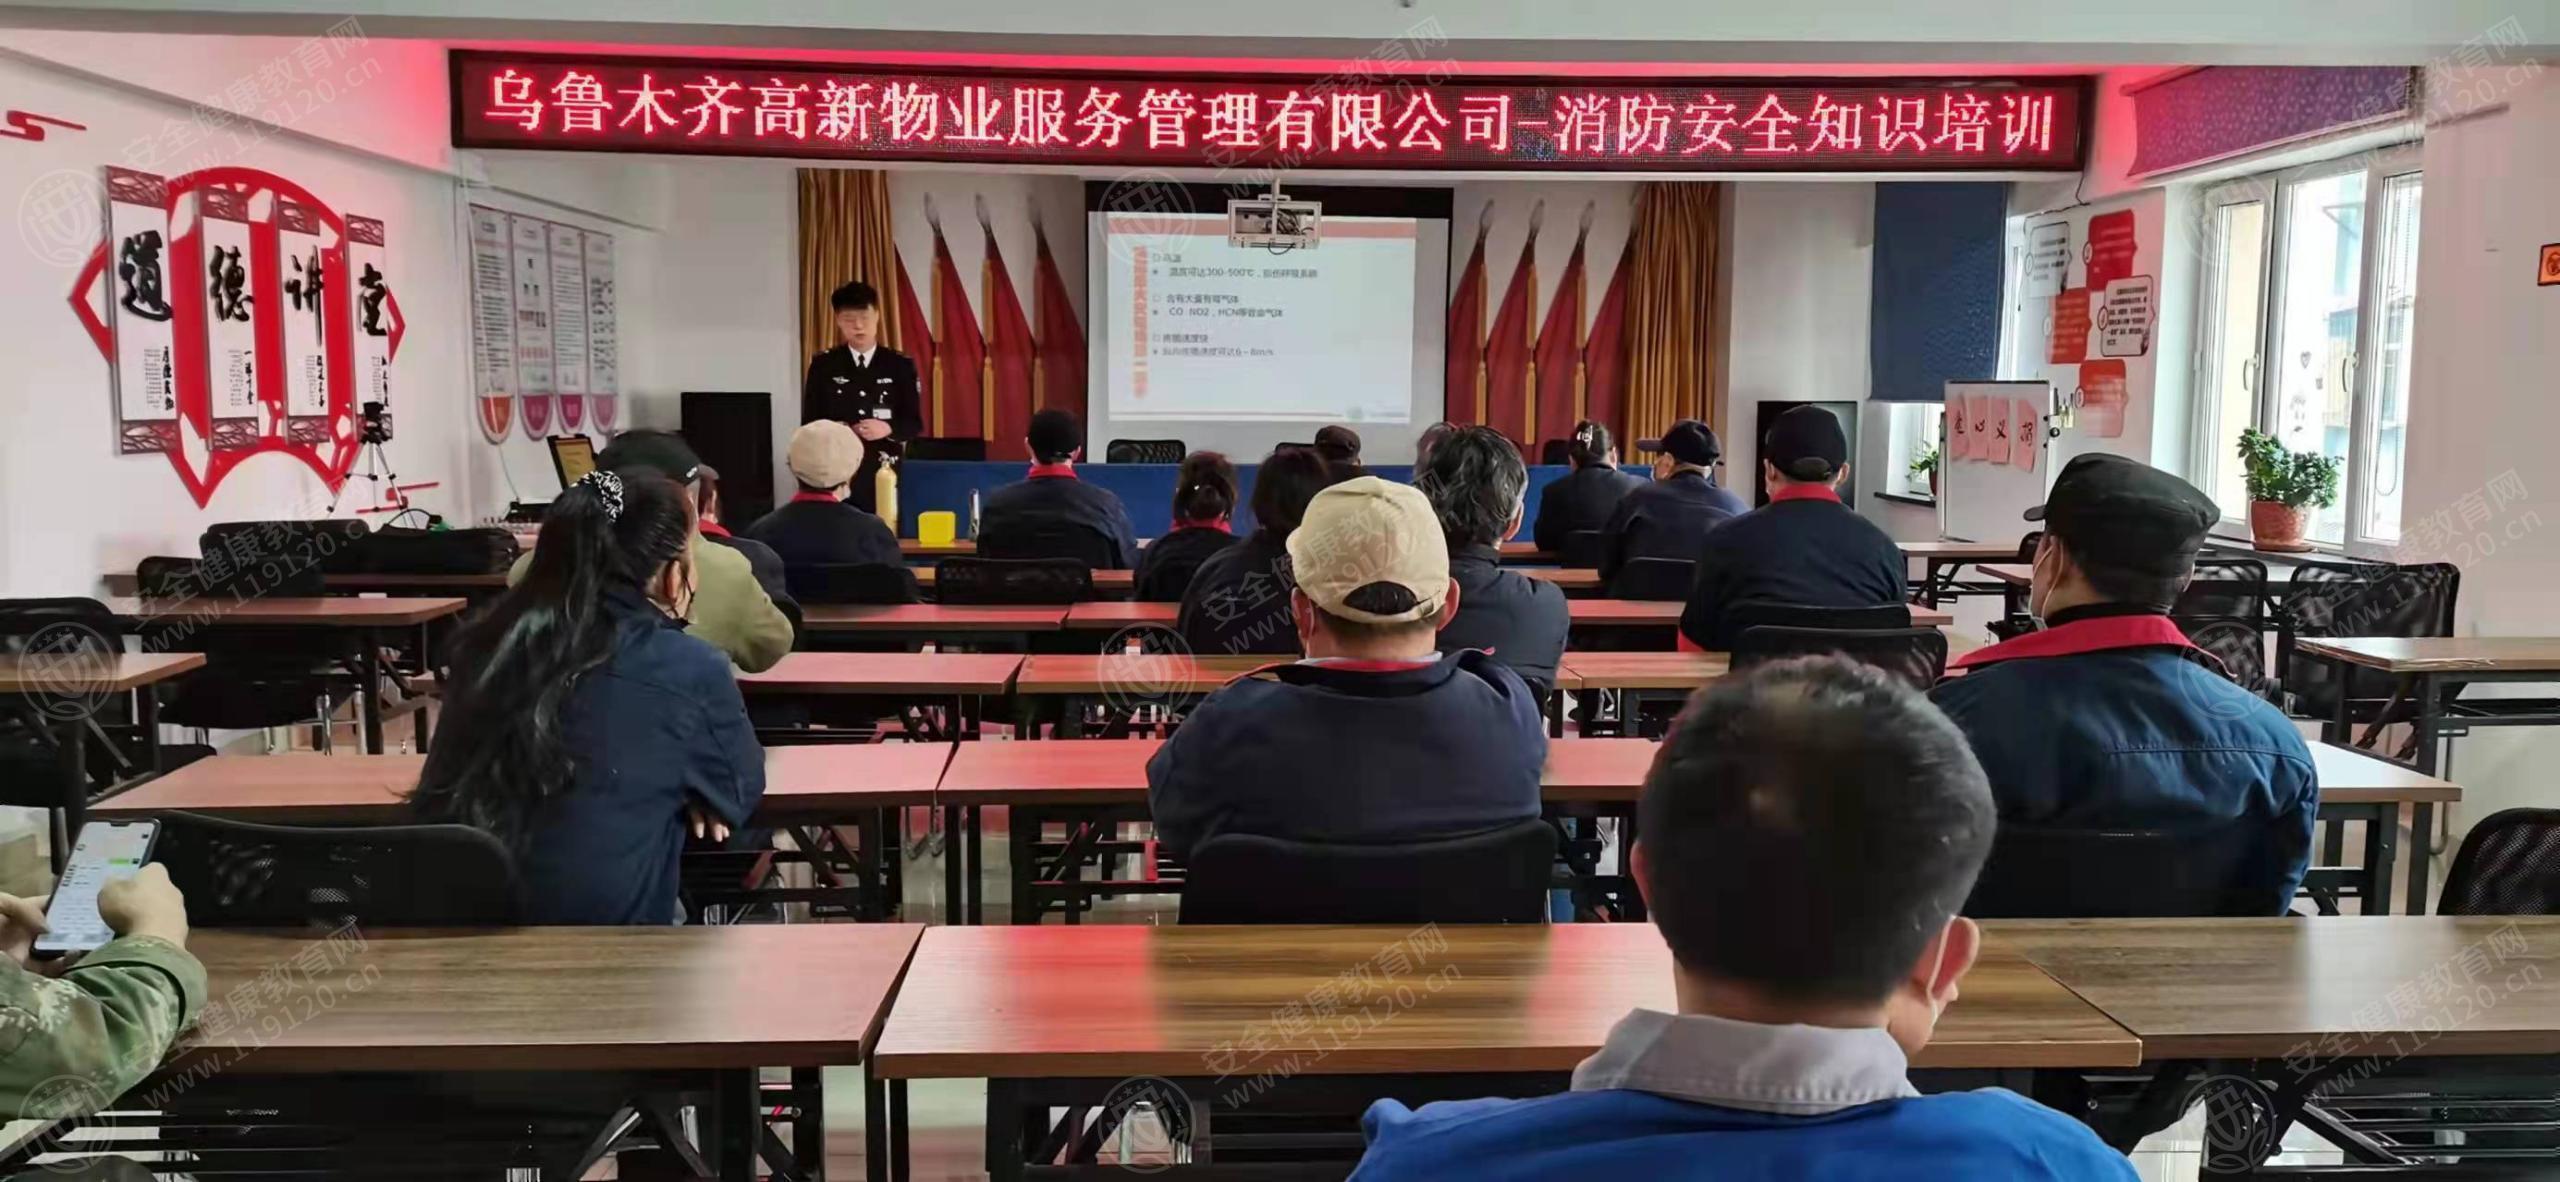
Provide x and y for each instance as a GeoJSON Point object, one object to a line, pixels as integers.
{"type": "Point", "coordinates": [71, 1045]}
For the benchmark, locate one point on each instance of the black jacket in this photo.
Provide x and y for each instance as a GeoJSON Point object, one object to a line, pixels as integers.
{"type": "Point", "coordinates": [1808, 550]}
{"type": "Point", "coordinates": [1583, 499]}
{"type": "Point", "coordinates": [1665, 519]}
{"type": "Point", "coordinates": [1238, 601]}
{"type": "Point", "coordinates": [1352, 755]}
{"type": "Point", "coordinates": [1023, 519]}
{"type": "Point", "coordinates": [826, 532]}
{"type": "Point", "coordinates": [1521, 619]}
{"type": "Point", "coordinates": [1166, 568]}
{"type": "Point", "coordinates": [838, 389]}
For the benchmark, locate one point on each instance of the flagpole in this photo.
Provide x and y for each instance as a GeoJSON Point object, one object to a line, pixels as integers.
{"type": "Point", "coordinates": [937, 353]}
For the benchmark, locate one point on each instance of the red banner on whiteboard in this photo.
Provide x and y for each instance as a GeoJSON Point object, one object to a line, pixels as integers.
{"type": "Point", "coordinates": [719, 106]}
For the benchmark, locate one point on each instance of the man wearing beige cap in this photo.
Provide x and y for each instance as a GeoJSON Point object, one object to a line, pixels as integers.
{"type": "Point", "coordinates": [816, 527]}
{"type": "Point", "coordinates": [1374, 737]}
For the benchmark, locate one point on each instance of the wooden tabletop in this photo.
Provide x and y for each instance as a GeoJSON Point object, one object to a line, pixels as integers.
{"type": "Point", "coordinates": [377, 581]}
{"type": "Point", "coordinates": [77, 673]}
{"type": "Point", "coordinates": [548, 999]}
{"type": "Point", "coordinates": [826, 780]}
{"type": "Point", "coordinates": [1569, 578]}
{"type": "Point", "coordinates": [2012, 573]}
{"type": "Point", "coordinates": [1094, 615]}
{"type": "Point", "coordinates": [1621, 613]}
{"type": "Point", "coordinates": [1145, 675]}
{"type": "Point", "coordinates": [885, 673]}
{"type": "Point", "coordinates": [929, 617]}
{"type": "Point", "coordinates": [2440, 654]}
{"type": "Point", "coordinates": [2335, 985]}
{"type": "Point", "coordinates": [324, 611]}
{"type": "Point", "coordinates": [1106, 582]}
{"type": "Point", "coordinates": [1141, 999]}
{"type": "Point", "coordinates": [912, 548]}
{"type": "Point", "coordinates": [1525, 552]}
{"type": "Point", "coordinates": [1965, 551]}
{"type": "Point", "coordinates": [2349, 776]}
{"type": "Point", "coordinates": [1114, 771]}
{"type": "Point", "coordinates": [1645, 671]}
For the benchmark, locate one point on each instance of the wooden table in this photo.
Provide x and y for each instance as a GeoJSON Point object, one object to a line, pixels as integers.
{"type": "Point", "coordinates": [1948, 559]}
{"type": "Point", "coordinates": [1569, 579]}
{"type": "Point", "coordinates": [59, 693]}
{"type": "Point", "coordinates": [961, 681]}
{"type": "Point", "coordinates": [711, 1004]}
{"type": "Point", "coordinates": [1109, 584]}
{"type": "Point", "coordinates": [2357, 786]}
{"type": "Point", "coordinates": [959, 547]}
{"type": "Point", "coordinates": [1646, 671]}
{"type": "Point", "coordinates": [363, 624]}
{"type": "Point", "coordinates": [471, 586]}
{"type": "Point", "coordinates": [932, 621]}
{"type": "Point", "coordinates": [1525, 554]}
{"type": "Point", "coordinates": [2431, 672]}
{"type": "Point", "coordinates": [2013, 574]}
{"type": "Point", "coordinates": [1058, 1016]}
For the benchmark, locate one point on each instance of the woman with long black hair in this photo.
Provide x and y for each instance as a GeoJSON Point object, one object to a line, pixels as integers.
{"type": "Point", "coordinates": [582, 726]}
{"type": "Point", "coordinates": [1204, 504]}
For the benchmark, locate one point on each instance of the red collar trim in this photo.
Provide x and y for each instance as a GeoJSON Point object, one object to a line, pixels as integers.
{"type": "Point", "coordinates": [808, 498]}
{"type": "Point", "coordinates": [1355, 665]}
{"type": "Point", "coordinates": [2104, 634]}
{"type": "Point", "coordinates": [1221, 525]}
{"type": "Point", "coordinates": [1066, 470]}
{"type": "Point", "coordinates": [1806, 492]}
{"type": "Point", "coordinates": [714, 528]}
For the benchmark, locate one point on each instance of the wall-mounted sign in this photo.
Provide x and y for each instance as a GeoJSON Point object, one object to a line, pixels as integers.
{"type": "Point", "coordinates": [2550, 266]}
{"type": "Point", "coordinates": [718, 106]}
{"type": "Point", "coordinates": [2126, 311]}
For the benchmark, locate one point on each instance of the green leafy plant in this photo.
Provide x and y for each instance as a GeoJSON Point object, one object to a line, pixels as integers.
{"type": "Point", "coordinates": [1926, 463]}
{"type": "Point", "coordinates": [2290, 478]}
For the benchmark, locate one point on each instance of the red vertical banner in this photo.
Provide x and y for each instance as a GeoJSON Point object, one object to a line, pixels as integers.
{"type": "Point", "coordinates": [2112, 247]}
{"type": "Point", "coordinates": [1464, 388]}
{"type": "Point", "coordinates": [1010, 356]}
{"type": "Point", "coordinates": [959, 352]}
{"type": "Point", "coordinates": [1559, 369]}
{"type": "Point", "coordinates": [1062, 359]}
{"type": "Point", "coordinates": [1604, 355]}
{"type": "Point", "coordinates": [915, 339]}
{"type": "Point", "coordinates": [1506, 346]}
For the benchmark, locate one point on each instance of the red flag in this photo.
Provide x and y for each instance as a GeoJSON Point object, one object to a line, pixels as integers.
{"type": "Point", "coordinates": [1061, 374]}
{"type": "Point", "coordinates": [915, 339]}
{"type": "Point", "coordinates": [1559, 368]}
{"type": "Point", "coordinates": [959, 351]}
{"type": "Point", "coordinates": [1464, 388]}
{"type": "Point", "coordinates": [1009, 351]}
{"type": "Point", "coordinates": [1506, 348]}
{"type": "Point", "coordinates": [1604, 356]}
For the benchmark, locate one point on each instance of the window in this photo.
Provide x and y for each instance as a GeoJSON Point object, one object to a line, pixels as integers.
{"type": "Point", "coordinates": [1912, 432]}
{"type": "Point", "coordinates": [2305, 322]}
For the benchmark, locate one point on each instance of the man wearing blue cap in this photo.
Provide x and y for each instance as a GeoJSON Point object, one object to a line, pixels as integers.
{"type": "Point", "coordinates": [1670, 517]}
{"type": "Point", "coordinates": [1804, 547]}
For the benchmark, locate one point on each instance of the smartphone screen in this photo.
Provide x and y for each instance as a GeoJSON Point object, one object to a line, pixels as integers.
{"type": "Point", "coordinates": [106, 851]}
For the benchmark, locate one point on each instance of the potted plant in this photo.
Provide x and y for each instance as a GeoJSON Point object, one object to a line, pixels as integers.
{"type": "Point", "coordinates": [1926, 464]}
{"type": "Point", "coordinates": [2282, 484]}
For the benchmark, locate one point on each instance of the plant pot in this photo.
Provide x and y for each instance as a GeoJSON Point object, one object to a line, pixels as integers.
{"type": "Point", "coordinates": [2274, 525]}
{"type": "Point", "coordinates": [1933, 484]}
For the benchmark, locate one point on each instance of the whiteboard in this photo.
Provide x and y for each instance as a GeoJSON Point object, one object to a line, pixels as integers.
{"type": "Point", "coordinates": [1980, 499]}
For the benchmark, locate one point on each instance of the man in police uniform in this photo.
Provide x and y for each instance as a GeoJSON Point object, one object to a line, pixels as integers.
{"type": "Point", "coordinates": [866, 385]}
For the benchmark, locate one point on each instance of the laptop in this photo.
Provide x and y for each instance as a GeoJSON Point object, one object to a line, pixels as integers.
{"type": "Point", "coordinates": [572, 456]}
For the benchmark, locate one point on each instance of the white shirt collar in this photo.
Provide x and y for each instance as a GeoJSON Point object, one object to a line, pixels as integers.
{"type": "Point", "coordinates": [1788, 1070]}
{"type": "Point", "coordinates": [862, 357]}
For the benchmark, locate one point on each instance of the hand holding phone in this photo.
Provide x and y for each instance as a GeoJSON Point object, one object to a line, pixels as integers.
{"type": "Point", "coordinates": [108, 854]}
{"type": "Point", "coordinates": [146, 904]}
{"type": "Point", "coordinates": [21, 921]}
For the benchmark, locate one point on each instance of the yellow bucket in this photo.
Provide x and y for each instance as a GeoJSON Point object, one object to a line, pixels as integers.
{"type": "Point", "coordinates": [937, 528]}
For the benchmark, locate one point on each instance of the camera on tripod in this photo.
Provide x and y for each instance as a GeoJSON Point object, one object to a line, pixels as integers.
{"type": "Point", "coordinates": [377, 423]}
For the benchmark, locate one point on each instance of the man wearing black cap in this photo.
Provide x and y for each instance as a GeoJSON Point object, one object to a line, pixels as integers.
{"type": "Point", "coordinates": [1051, 513]}
{"type": "Point", "coordinates": [1670, 517]}
{"type": "Point", "coordinates": [1804, 547]}
{"type": "Point", "coordinates": [866, 385]}
{"type": "Point", "coordinates": [2109, 718]}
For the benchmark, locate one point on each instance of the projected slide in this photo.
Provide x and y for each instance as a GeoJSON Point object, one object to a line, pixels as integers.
{"type": "Point", "coordinates": [1199, 330]}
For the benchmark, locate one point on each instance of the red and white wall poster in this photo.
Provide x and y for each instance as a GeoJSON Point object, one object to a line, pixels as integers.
{"type": "Point", "coordinates": [377, 315]}
{"type": "Point", "coordinates": [311, 252]}
{"type": "Point", "coordinates": [232, 275]}
{"type": "Point", "coordinates": [569, 324]}
{"type": "Point", "coordinates": [138, 311]}
{"type": "Point", "coordinates": [604, 361]}
{"type": "Point", "coordinates": [1959, 430]}
{"type": "Point", "coordinates": [2026, 433]}
{"type": "Point", "coordinates": [1990, 426]}
{"type": "Point", "coordinates": [493, 323]}
{"type": "Point", "coordinates": [529, 242]}
{"type": "Point", "coordinates": [2102, 399]}
{"type": "Point", "coordinates": [2070, 341]}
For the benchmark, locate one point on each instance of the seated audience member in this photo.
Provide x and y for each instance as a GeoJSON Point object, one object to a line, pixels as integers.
{"type": "Point", "coordinates": [107, 1020]}
{"type": "Point", "coordinates": [1023, 519]}
{"type": "Point", "coordinates": [582, 727]}
{"type": "Point", "coordinates": [1586, 497]}
{"type": "Point", "coordinates": [1430, 438]}
{"type": "Point", "coordinates": [761, 559]}
{"type": "Point", "coordinates": [1809, 831]}
{"type": "Point", "coordinates": [1670, 517]}
{"type": "Point", "coordinates": [1804, 547]}
{"type": "Point", "coordinates": [1475, 481]}
{"type": "Point", "coordinates": [1238, 601]}
{"type": "Point", "coordinates": [731, 608]}
{"type": "Point", "coordinates": [818, 526]}
{"type": "Point", "coordinates": [1204, 498]}
{"type": "Point", "coordinates": [1340, 447]}
{"type": "Point", "coordinates": [1373, 737]}
{"type": "Point", "coordinates": [2109, 718]}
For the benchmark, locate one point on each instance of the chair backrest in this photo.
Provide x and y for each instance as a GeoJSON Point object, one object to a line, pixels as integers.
{"type": "Point", "coordinates": [851, 582]}
{"type": "Point", "coordinates": [2225, 588]}
{"type": "Point", "coordinates": [966, 450]}
{"type": "Point", "coordinates": [1144, 451]}
{"type": "Point", "coordinates": [2361, 599]}
{"type": "Point", "coordinates": [2238, 643]}
{"type": "Point", "coordinates": [2509, 865]}
{"type": "Point", "coordinates": [2039, 872]}
{"type": "Point", "coordinates": [1582, 548]}
{"type": "Point", "coordinates": [2027, 545]}
{"type": "Point", "coordinates": [1916, 655]}
{"type": "Point", "coordinates": [1660, 579]}
{"type": "Point", "coordinates": [57, 626]}
{"type": "Point", "coordinates": [240, 874]}
{"type": "Point", "coordinates": [1500, 876]}
{"type": "Point", "coordinates": [1050, 539]}
{"type": "Point", "coordinates": [1555, 452]}
{"type": "Point", "coordinates": [1754, 613]}
{"type": "Point", "coordinates": [1012, 580]}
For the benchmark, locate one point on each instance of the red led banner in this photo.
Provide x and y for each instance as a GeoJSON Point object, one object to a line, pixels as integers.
{"type": "Point", "coordinates": [722, 107]}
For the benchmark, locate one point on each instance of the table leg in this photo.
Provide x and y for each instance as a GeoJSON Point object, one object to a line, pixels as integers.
{"type": "Point", "coordinates": [954, 876]}
{"type": "Point", "coordinates": [875, 1127]}
{"type": "Point", "coordinates": [2341, 727]}
{"type": "Point", "coordinates": [898, 1165]}
{"type": "Point", "coordinates": [74, 762]}
{"type": "Point", "coordinates": [2381, 840]}
{"type": "Point", "coordinates": [2422, 825]}
{"type": "Point", "coordinates": [973, 879]}
{"type": "Point", "coordinates": [146, 712]}
{"type": "Point", "coordinates": [1005, 1141]}
{"type": "Point", "coordinates": [809, 1129]}
{"type": "Point", "coordinates": [1022, 831]}
{"type": "Point", "coordinates": [2430, 694]}
{"type": "Point", "coordinates": [369, 689]}
{"type": "Point", "coordinates": [731, 1128]}
{"type": "Point", "coordinates": [425, 663]}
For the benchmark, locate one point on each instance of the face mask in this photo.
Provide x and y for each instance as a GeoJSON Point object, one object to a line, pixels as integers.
{"type": "Point", "coordinates": [2041, 587]}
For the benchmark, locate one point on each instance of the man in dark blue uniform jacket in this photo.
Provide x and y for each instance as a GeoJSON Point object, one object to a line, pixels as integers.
{"type": "Point", "coordinates": [866, 385]}
{"type": "Point", "coordinates": [1670, 517]}
{"type": "Point", "coordinates": [1028, 519]}
{"type": "Point", "coordinates": [1804, 547]}
{"type": "Point", "coordinates": [2109, 718]}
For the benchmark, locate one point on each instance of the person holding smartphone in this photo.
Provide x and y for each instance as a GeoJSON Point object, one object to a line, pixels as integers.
{"type": "Point", "coordinates": [75, 1038]}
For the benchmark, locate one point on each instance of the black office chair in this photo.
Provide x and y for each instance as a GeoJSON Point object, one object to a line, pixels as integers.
{"type": "Point", "coordinates": [1756, 613]}
{"type": "Point", "coordinates": [1582, 549]}
{"type": "Point", "coordinates": [852, 582]}
{"type": "Point", "coordinates": [1500, 876]}
{"type": "Point", "coordinates": [1012, 581]}
{"type": "Point", "coordinates": [254, 678]}
{"type": "Point", "coordinates": [1664, 580]}
{"type": "Point", "coordinates": [972, 451]}
{"type": "Point", "coordinates": [1916, 655]}
{"type": "Point", "coordinates": [64, 641]}
{"type": "Point", "coordinates": [2223, 611]}
{"type": "Point", "coordinates": [240, 874]}
{"type": "Point", "coordinates": [1050, 539]}
{"type": "Point", "coordinates": [1144, 451]}
{"type": "Point", "coordinates": [2039, 872]}
{"type": "Point", "coordinates": [1555, 452]}
{"type": "Point", "coordinates": [2361, 599]}
{"type": "Point", "coordinates": [2509, 865]}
